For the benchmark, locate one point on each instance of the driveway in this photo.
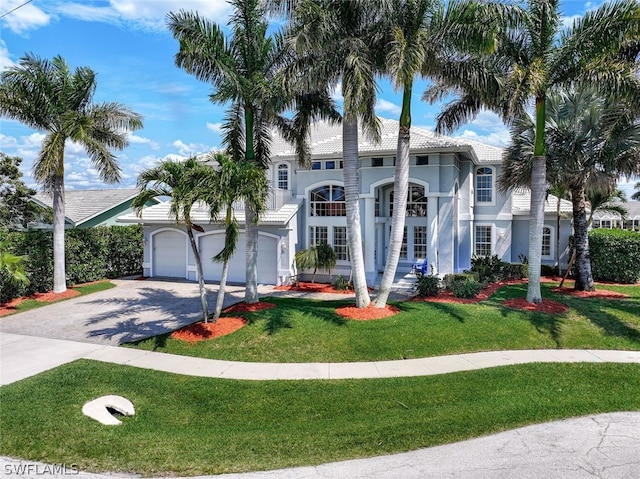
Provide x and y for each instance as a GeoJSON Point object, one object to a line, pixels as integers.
{"type": "Point", "coordinates": [131, 311]}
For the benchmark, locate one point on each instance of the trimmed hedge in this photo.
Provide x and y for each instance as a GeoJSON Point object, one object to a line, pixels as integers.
{"type": "Point", "coordinates": [615, 255]}
{"type": "Point", "coordinates": [91, 254]}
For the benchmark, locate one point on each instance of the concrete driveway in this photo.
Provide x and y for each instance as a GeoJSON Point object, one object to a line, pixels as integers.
{"type": "Point", "coordinates": [131, 311]}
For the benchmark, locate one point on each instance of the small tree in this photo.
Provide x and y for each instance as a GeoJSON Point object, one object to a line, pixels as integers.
{"type": "Point", "coordinates": [320, 256]}
{"type": "Point", "coordinates": [16, 207]}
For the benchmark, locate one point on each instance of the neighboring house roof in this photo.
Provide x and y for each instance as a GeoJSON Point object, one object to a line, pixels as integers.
{"type": "Point", "coordinates": [159, 214]}
{"type": "Point", "coordinates": [326, 141]}
{"type": "Point", "coordinates": [632, 207]}
{"type": "Point", "coordinates": [83, 205]}
{"type": "Point", "coordinates": [521, 203]}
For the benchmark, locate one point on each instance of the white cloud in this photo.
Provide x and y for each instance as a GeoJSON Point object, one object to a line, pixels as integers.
{"type": "Point", "coordinates": [215, 127]}
{"type": "Point", "coordinates": [140, 140]}
{"type": "Point", "coordinates": [387, 107]}
{"type": "Point", "coordinates": [146, 14]}
{"type": "Point", "coordinates": [23, 17]}
{"type": "Point", "coordinates": [190, 149]}
{"type": "Point", "coordinates": [5, 60]}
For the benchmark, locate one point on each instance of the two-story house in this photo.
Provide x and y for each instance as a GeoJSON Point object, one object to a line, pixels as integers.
{"type": "Point", "coordinates": [454, 211]}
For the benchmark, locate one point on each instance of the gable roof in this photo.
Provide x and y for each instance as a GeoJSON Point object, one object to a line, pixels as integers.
{"type": "Point", "coordinates": [326, 141]}
{"type": "Point", "coordinates": [82, 205]}
{"type": "Point", "coordinates": [632, 207]}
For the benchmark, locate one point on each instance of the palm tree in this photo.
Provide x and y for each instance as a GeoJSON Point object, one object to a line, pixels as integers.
{"type": "Point", "coordinates": [47, 96]}
{"type": "Point", "coordinates": [534, 55]}
{"type": "Point", "coordinates": [418, 31]}
{"type": "Point", "coordinates": [187, 183]}
{"type": "Point", "coordinates": [591, 141]}
{"type": "Point", "coordinates": [341, 43]}
{"type": "Point", "coordinates": [235, 181]}
{"type": "Point", "coordinates": [607, 201]}
{"type": "Point", "coordinates": [246, 71]}
{"type": "Point", "coordinates": [636, 195]}
{"type": "Point", "coordinates": [13, 265]}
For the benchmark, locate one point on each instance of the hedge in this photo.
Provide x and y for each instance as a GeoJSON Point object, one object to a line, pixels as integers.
{"type": "Point", "coordinates": [615, 255]}
{"type": "Point", "coordinates": [91, 254]}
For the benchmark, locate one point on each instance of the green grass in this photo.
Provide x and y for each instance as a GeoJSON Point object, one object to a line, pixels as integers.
{"type": "Point", "coordinates": [190, 426]}
{"type": "Point", "coordinates": [29, 304]}
{"type": "Point", "coordinates": [300, 330]}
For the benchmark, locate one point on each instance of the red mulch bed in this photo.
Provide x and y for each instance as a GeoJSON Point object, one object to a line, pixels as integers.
{"type": "Point", "coordinates": [366, 314]}
{"type": "Point", "coordinates": [313, 288]}
{"type": "Point", "coordinates": [548, 306]}
{"type": "Point", "coordinates": [599, 293]}
{"type": "Point", "coordinates": [448, 297]}
{"type": "Point", "coordinates": [248, 308]}
{"type": "Point", "coordinates": [10, 307]}
{"type": "Point", "coordinates": [200, 331]}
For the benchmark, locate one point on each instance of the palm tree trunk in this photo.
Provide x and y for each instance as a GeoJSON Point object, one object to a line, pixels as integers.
{"type": "Point", "coordinates": [59, 271]}
{"type": "Point", "coordinates": [251, 287]}
{"type": "Point", "coordinates": [536, 223]}
{"type": "Point", "coordinates": [584, 279]}
{"type": "Point", "coordinates": [221, 291]}
{"type": "Point", "coordinates": [203, 290]}
{"type": "Point", "coordinates": [400, 190]}
{"type": "Point", "coordinates": [352, 200]}
{"type": "Point", "coordinates": [538, 193]}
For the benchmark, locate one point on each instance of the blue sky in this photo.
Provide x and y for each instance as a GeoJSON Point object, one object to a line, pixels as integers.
{"type": "Point", "coordinates": [128, 45]}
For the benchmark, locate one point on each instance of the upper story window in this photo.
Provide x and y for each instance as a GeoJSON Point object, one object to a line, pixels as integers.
{"type": "Point", "coordinates": [378, 161]}
{"type": "Point", "coordinates": [422, 160]}
{"type": "Point", "coordinates": [326, 165]}
{"type": "Point", "coordinates": [484, 185]}
{"type": "Point", "coordinates": [416, 201]}
{"type": "Point", "coordinates": [283, 176]}
{"type": "Point", "coordinates": [328, 200]}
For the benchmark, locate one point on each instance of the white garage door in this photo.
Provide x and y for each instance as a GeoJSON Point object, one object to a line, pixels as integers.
{"type": "Point", "coordinates": [170, 254]}
{"type": "Point", "coordinates": [211, 245]}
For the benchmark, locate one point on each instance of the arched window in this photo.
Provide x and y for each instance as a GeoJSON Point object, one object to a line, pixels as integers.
{"type": "Point", "coordinates": [283, 176]}
{"type": "Point", "coordinates": [484, 185]}
{"type": "Point", "coordinates": [328, 200]}
{"type": "Point", "coordinates": [416, 201]}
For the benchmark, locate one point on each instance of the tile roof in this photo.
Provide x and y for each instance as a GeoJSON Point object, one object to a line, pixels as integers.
{"type": "Point", "coordinates": [159, 214]}
{"type": "Point", "coordinates": [326, 140]}
{"type": "Point", "coordinates": [82, 205]}
{"type": "Point", "coordinates": [521, 203]}
{"type": "Point", "coordinates": [632, 207]}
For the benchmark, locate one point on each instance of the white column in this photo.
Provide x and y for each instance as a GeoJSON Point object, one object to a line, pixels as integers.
{"type": "Point", "coordinates": [369, 238]}
{"type": "Point", "coordinates": [433, 232]}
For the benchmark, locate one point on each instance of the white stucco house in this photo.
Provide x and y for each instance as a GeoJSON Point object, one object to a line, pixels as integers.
{"type": "Point", "coordinates": [454, 211]}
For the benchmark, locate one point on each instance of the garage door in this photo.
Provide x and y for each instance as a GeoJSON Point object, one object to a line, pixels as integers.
{"type": "Point", "coordinates": [211, 245]}
{"type": "Point", "coordinates": [170, 254]}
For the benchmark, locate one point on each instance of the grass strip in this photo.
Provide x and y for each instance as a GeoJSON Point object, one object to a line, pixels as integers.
{"type": "Point", "coordinates": [303, 330]}
{"type": "Point", "coordinates": [192, 426]}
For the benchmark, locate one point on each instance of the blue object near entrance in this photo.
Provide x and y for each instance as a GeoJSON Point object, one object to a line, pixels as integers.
{"type": "Point", "coordinates": [420, 265]}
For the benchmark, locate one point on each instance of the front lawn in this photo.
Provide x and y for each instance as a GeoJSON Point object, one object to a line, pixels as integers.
{"type": "Point", "coordinates": [191, 426]}
{"type": "Point", "coordinates": [300, 330]}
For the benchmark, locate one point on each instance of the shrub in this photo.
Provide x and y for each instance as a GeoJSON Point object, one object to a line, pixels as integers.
{"type": "Point", "coordinates": [427, 284]}
{"type": "Point", "coordinates": [467, 288]}
{"type": "Point", "coordinates": [489, 268]}
{"type": "Point", "coordinates": [615, 255]}
{"type": "Point", "coordinates": [512, 271]}
{"type": "Point", "coordinates": [90, 254]}
{"type": "Point", "coordinates": [449, 279]}
{"type": "Point", "coordinates": [341, 283]}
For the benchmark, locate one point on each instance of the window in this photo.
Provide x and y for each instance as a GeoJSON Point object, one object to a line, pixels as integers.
{"type": "Point", "coordinates": [403, 246]}
{"type": "Point", "coordinates": [377, 162]}
{"type": "Point", "coordinates": [484, 185]}
{"type": "Point", "coordinates": [483, 241]}
{"type": "Point", "coordinates": [326, 165]}
{"type": "Point", "coordinates": [422, 160]}
{"type": "Point", "coordinates": [330, 165]}
{"type": "Point", "coordinates": [340, 242]}
{"type": "Point", "coordinates": [317, 235]}
{"type": "Point", "coordinates": [416, 201]}
{"type": "Point", "coordinates": [546, 241]}
{"type": "Point", "coordinates": [283, 176]}
{"type": "Point", "coordinates": [328, 201]}
{"type": "Point", "coordinates": [420, 242]}
{"type": "Point", "coordinates": [316, 165]}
